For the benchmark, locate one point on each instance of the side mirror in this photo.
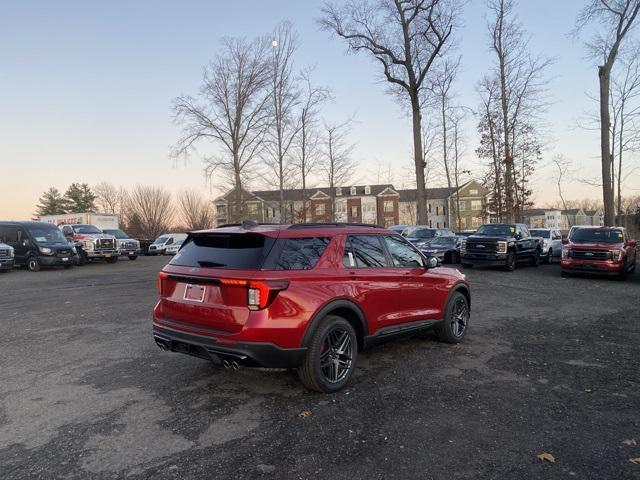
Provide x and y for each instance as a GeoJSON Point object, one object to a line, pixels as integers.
{"type": "Point", "coordinates": [433, 262]}
{"type": "Point", "coordinates": [518, 236]}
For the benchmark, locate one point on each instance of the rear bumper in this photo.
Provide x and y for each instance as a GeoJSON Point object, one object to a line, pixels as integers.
{"type": "Point", "coordinates": [486, 259]}
{"type": "Point", "coordinates": [250, 354]}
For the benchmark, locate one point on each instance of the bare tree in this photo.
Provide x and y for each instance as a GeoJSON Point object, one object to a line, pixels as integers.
{"type": "Point", "coordinates": [109, 198]}
{"type": "Point", "coordinates": [625, 93]}
{"type": "Point", "coordinates": [561, 173]}
{"type": "Point", "coordinates": [338, 165]}
{"type": "Point", "coordinates": [195, 212]}
{"type": "Point", "coordinates": [616, 18]}
{"type": "Point", "coordinates": [285, 94]}
{"type": "Point", "coordinates": [521, 81]}
{"type": "Point", "coordinates": [149, 210]}
{"type": "Point", "coordinates": [406, 37]}
{"type": "Point", "coordinates": [230, 113]}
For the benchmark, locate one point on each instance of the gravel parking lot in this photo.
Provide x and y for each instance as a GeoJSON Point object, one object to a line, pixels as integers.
{"type": "Point", "coordinates": [549, 365]}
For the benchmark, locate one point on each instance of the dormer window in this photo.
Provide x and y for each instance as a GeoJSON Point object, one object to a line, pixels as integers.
{"type": "Point", "coordinates": [338, 191]}
{"type": "Point", "coordinates": [353, 190]}
{"type": "Point", "coordinates": [367, 190]}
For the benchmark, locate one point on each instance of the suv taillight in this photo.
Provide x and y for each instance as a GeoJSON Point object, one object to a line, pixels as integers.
{"type": "Point", "coordinates": [260, 293]}
{"type": "Point", "coordinates": [162, 276]}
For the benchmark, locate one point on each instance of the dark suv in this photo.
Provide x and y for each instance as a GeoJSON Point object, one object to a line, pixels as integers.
{"type": "Point", "coordinates": [307, 296]}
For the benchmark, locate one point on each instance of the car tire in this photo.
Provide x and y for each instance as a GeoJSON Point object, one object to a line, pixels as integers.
{"type": "Point", "coordinates": [549, 258]}
{"type": "Point", "coordinates": [133, 257]}
{"type": "Point", "coordinates": [511, 262]}
{"type": "Point", "coordinates": [323, 347]}
{"type": "Point", "coordinates": [456, 319]}
{"type": "Point", "coordinates": [111, 259]}
{"type": "Point", "coordinates": [67, 267]}
{"type": "Point", "coordinates": [82, 258]}
{"type": "Point", "coordinates": [564, 274]}
{"type": "Point", "coordinates": [33, 264]}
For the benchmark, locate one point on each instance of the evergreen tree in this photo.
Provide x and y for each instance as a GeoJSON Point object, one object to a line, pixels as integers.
{"type": "Point", "coordinates": [50, 203]}
{"type": "Point", "coordinates": [79, 198]}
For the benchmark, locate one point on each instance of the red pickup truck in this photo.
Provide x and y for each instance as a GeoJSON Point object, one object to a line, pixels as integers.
{"type": "Point", "coordinates": [599, 250]}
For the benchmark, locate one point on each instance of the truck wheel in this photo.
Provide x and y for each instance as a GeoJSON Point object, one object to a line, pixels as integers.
{"type": "Point", "coordinates": [549, 258]}
{"type": "Point", "coordinates": [82, 258]}
{"type": "Point", "coordinates": [133, 257]}
{"type": "Point", "coordinates": [456, 319]}
{"type": "Point", "coordinates": [33, 264]}
{"type": "Point", "coordinates": [535, 260]}
{"type": "Point", "coordinates": [331, 356]}
{"type": "Point", "coordinates": [511, 262]}
{"type": "Point", "coordinates": [111, 259]}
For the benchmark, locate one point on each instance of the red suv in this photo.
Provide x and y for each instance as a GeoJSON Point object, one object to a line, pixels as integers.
{"type": "Point", "coordinates": [306, 296]}
{"type": "Point", "coordinates": [603, 250]}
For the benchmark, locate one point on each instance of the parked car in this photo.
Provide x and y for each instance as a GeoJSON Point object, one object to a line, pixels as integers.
{"type": "Point", "coordinates": [37, 244]}
{"type": "Point", "coordinates": [420, 235]}
{"type": "Point", "coordinates": [445, 249]}
{"type": "Point", "coordinates": [127, 246]}
{"type": "Point", "coordinates": [93, 243]}
{"type": "Point", "coordinates": [398, 228]}
{"type": "Point", "coordinates": [173, 248]}
{"type": "Point", "coordinates": [552, 242]}
{"type": "Point", "coordinates": [6, 257]}
{"type": "Point", "coordinates": [499, 244]}
{"type": "Point", "coordinates": [302, 296]}
{"type": "Point", "coordinates": [160, 244]}
{"type": "Point", "coordinates": [600, 250]}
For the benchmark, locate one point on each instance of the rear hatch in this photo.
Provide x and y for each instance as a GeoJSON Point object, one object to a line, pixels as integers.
{"type": "Point", "coordinates": [205, 284]}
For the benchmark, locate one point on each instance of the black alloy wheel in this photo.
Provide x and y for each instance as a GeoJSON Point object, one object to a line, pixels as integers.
{"type": "Point", "coordinates": [511, 261]}
{"type": "Point", "coordinates": [331, 356]}
{"type": "Point", "coordinates": [456, 319]}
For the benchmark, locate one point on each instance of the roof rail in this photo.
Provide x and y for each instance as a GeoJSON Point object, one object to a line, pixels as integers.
{"type": "Point", "coordinates": [246, 224]}
{"type": "Point", "coordinates": [296, 226]}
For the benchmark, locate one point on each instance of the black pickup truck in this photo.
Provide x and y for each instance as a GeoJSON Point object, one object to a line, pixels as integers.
{"type": "Point", "coordinates": [499, 244]}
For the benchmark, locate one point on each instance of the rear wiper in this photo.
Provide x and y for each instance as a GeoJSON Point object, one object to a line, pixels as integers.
{"type": "Point", "coordinates": [204, 263]}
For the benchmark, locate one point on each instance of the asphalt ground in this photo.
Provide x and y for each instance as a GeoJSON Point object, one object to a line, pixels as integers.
{"type": "Point", "coordinates": [549, 365]}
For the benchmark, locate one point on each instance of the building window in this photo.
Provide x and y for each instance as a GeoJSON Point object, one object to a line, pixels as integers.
{"type": "Point", "coordinates": [252, 208]}
{"type": "Point", "coordinates": [429, 207]}
{"type": "Point", "coordinates": [476, 204]}
{"type": "Point", "coordinates": [341, 207]}
{"type": "Point", "coordinates": [353, 190]}
{"type": "Point", "coordinates": [367, 190]}
{"type": "Point", "coordinates": [388, 206]}
{"type": "Point", "coordinates": [222, 210]}
{"type": "Point", "coordinates": [338, 191]}
{"type": "Point", "coordinates": [473, 192]}
{"type": "Point", "coordinates": [354, 211]}
{"type": "Point", "coordinates": [320, 209]}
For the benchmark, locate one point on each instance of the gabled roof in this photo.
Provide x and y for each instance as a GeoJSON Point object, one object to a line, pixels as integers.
{"type": "Point", "coordinates": [432, 194]}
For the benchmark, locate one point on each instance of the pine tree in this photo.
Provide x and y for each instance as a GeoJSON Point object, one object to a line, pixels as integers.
{"type": "Point", "coordinates": [50, 203]}
{"type": "Point", "coordinates": [79, 198]}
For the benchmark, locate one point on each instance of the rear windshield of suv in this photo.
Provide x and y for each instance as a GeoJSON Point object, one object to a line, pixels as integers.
{"type": "Point", "coordinates": [589, 235]}
{"type": "Point", "coordinates": [229, 250]}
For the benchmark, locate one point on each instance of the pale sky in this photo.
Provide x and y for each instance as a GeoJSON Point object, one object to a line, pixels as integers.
{"type": "Point", "coordinates": [86, 89]}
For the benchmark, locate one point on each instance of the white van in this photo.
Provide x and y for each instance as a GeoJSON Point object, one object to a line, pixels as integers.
{"type": "Point", "coordinates": [160, 244]}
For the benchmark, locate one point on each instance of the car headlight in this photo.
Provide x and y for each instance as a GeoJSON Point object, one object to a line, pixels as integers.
{"type": "Point", "coordinates": [502, 247]}
{"type": "Point", "coordinates": [88, 245]}
{"type": "Point", "coordinates": [565, 253]}
{"type": "Point", "coordinates": [73, 249]}
{"type": "Point", "coordinates": [11, 251]}
{"type": "Point", "coordinates": [45, 250]}
{"type": "Point", "coordinates": [463, 246]}
{"type": "Point", "coordinates": [616, 255]}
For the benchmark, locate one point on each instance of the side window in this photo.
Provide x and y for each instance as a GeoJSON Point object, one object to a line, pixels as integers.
{"type": "Point", "coordinates": [301, 253]}
{"type": "Point", "coordinates": [67, 230]}
{"type": "Point", "coordinates": [366, 252]}
{"type": "Point", "coordinates": [9, 235]}
{"type": "Point", "coordinates": [403, 254]}
{"type": "Point", "coordinates": [23, 239]}
{"type": "Point", "coordinates": [525, 231]}
{"type": "Point", "coordinates": [169, 242]}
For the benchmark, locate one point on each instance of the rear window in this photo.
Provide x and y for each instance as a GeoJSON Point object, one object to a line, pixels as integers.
{"type": "Point", "coordinates": [541, 233]}
{"type": "Point", "coordinates": [236, 251]}
{"type": "Point", "coordinates": [300, 253]}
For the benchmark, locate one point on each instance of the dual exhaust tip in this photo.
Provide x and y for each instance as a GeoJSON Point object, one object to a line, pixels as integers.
{"type": "Point", "coordinates": [230, 364]}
